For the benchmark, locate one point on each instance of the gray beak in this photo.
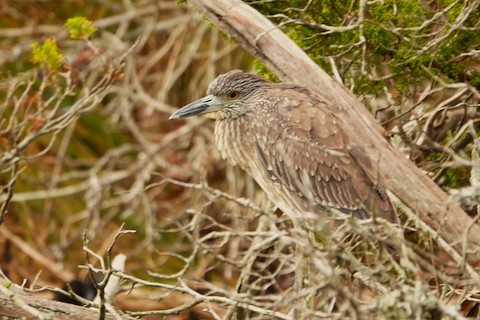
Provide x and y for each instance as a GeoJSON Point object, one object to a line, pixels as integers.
{"type": "Point", "coordinates": [204, 105]}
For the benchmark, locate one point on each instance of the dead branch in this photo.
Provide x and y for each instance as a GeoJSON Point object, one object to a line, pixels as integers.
{"type": "Point", "coordinates": [47, 308]}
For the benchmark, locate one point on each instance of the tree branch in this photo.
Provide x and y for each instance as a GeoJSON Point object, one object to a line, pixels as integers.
{"type": "Point", "coordinates": [48, 308]}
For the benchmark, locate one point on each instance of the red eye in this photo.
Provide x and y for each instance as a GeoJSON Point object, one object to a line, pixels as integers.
{"type": "Point", "coordinates": [233, 94]}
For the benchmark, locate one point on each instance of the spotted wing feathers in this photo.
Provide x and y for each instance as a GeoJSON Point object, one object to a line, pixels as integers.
{"type": "Point", "coordinates": [300, 143]}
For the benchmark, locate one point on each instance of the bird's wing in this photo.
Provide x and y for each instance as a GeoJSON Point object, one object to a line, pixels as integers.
{"type": "Point", "coordinates": [300, 143]}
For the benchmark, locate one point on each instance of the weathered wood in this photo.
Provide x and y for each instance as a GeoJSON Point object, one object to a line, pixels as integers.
{"type": "Point", "coordinates": [261, 38]}
{"type": "Point", "coordinates": [48, 308]}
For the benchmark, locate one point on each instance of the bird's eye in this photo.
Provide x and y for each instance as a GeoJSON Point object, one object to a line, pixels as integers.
{"type": "Point", "coordinates": [233, 94]}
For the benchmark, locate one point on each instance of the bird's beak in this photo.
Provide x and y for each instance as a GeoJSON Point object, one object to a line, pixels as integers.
{"type": "Point", "coordinates": [204, 105]}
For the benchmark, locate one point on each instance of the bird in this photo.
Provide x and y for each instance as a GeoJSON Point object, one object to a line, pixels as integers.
{"type": "Point", "coordinates": [290, 140]}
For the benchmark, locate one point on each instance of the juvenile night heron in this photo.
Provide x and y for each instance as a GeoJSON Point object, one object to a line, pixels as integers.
{"type": "Point", "coordinates": [291, 142]}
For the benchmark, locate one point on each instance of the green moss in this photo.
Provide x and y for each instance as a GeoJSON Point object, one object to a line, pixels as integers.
{"type": "Point", "coordinates": [263, 71]}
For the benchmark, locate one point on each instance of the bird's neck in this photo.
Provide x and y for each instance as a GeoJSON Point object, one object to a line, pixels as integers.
{"type": "Point", "coordinates": [233, 137]}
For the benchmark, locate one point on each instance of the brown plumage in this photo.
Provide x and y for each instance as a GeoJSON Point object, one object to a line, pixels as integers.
{"type": "Point", "coordinates": [291, 142]}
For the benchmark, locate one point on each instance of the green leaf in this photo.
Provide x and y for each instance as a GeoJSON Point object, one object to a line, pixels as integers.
{"type": "Point", "coordinates": [80, 28]}
{"type": "Point", "coordinates": [47, 54]}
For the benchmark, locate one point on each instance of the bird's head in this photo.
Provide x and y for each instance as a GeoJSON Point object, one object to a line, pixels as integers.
{"type": "Point", "coordinates": [230, 95]}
